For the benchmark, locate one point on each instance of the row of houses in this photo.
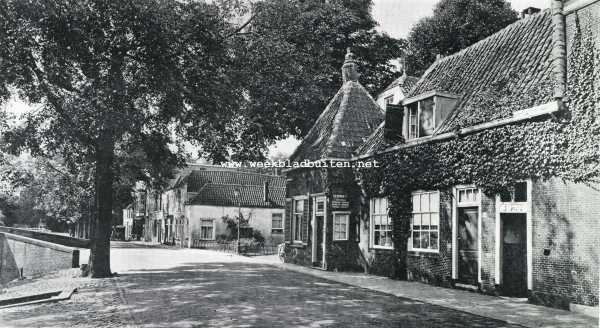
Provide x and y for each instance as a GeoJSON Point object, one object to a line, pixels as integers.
{"type": "Point", "coordinates": [468, 187]}
{"type": "Point", "coordinates": [193, 206]}
{"type": "Point", "coordinates": [433, 210]}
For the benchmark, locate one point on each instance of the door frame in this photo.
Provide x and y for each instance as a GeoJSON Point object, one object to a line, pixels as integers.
{"type": "Point", "coordinates": [515, 207]}
{"type": "Point", "coordinates": [455, 207]}
{"type": "Point", "coordinates": [314, 230]}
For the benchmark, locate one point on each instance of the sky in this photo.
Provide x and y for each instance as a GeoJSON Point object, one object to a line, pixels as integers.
{"type": "Point", "coordinates": [397, 16]}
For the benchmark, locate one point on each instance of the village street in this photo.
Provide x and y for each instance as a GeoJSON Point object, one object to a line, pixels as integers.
{"type": "Point", "coordinates": [166, 287]}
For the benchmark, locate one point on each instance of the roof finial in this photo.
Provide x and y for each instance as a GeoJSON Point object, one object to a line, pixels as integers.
{"type": "Point", "coordinates": [350, 67]}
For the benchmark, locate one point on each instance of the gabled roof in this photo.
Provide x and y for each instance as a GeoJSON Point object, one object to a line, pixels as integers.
{"type": "Point", "coordinates": [345, 123]}
{"type": "Point", "coordinates": [508, 71]}
{"type": "Point", "coordinates": [406, 83]}
{"type": "Point", "coordinates": [217, 187]}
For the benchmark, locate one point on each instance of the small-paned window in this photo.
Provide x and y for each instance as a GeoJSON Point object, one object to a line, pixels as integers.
{"type": "Point", "coordinates": [381, 224]}
{"type": "Point", "coordinates": [277, 223]}
{"type": "Point", "coordinates": [340, 226]}
{"type": "Point", "coordinates": [425, 221]}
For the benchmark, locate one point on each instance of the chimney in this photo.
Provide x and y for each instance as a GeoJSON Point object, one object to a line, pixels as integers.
{"type": "Point", "coordinates": [350, 68]}
{"type": "Point", "coordinates": [266, 191]}
{"type": "Point", "coordinates": [529, 11]}
{"type": "Point", "coordinates": [392, 127]}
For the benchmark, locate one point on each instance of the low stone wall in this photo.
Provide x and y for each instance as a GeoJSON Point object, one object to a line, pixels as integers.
{"type": "Point", "coordinates": [33, 257]}
{"type": "Point", "coordinates": [49, 237]}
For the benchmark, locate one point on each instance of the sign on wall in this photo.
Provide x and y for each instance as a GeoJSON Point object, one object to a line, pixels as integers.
{"type": "Point", "coordinates": [339, 201]}
{"type": "Point", "coordinates": [513, 207]}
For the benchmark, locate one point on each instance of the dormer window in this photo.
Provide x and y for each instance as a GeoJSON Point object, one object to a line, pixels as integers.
{"type": "Point", "coordinates": [425, 113]}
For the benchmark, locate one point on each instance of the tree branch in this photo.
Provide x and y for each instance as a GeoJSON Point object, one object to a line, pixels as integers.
{"type": "Point", "coordinates": [56, 103]}
{"type": "Point", "coordinates": [239, 29]}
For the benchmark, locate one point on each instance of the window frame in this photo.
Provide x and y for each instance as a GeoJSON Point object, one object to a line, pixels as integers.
{"type": "Point", "coordinates": [280, 230]}
{"type": "Point", "coordinates": [296, 225]}
{"type": "Point", "coordinates": [203, 226]}
{"type": "Point", "coordinates": [410, 240]}
{"type": "Point", "coordinates": [347, 224]}
{"type": "Point", "coordinates": [372, 215]}
{"type": "Point", "coordinates": [417, 118]}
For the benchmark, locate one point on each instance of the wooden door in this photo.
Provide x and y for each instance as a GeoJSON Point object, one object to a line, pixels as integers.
{"type": "Point", "coordinates": [468, 246]}
{"type": "Point", "coordinates": [514, 254]}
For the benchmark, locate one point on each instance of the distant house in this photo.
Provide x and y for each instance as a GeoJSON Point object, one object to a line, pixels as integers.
{"type": "Point", "coordinates": [197, 199]}
{"type": "Point", "coordinates": [396, 91]}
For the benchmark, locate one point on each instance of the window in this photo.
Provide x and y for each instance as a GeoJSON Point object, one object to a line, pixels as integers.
{"type": "Point", "coordinates": [518, 193]}
{"type": "Point", "coordinates": [381, 224]}
{"type": "Point", "coordinates": [340, 226]}
{"type": "Point", "coordinates": [426, 120]}
{"type": "Point", "coordinates": [425, 221]}
{"type": "Point", "coordinates": [207, 229]}
{"type": "Point", "coordinates": [277, 223]}
{"type": "Point", "coordinates": [468, 196]}
{"type": "Point", "coordinates": [425, 112]}
{"type": "Point", "coordinates": [412, 121]}
{"type": "Point", "coordinates": [297, 219]}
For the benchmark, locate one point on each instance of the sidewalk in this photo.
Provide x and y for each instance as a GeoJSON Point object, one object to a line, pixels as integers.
{"type": "Point", "coordinates": [506, 309]}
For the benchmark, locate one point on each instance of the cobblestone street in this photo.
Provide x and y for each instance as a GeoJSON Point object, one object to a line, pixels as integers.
{"type": "Point", "coordinates": [161, 287]}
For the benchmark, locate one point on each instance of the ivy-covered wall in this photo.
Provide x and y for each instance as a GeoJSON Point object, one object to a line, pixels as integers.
{"type": "Point", "coordinates": [563, 146]}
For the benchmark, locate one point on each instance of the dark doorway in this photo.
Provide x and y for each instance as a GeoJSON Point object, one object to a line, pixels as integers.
{"type": "Point", "coordinates": [468, 245]}
{"type": "Point", "coordinates": [514, 254]}
{"type": "Point", "coordinates": [319, 225]}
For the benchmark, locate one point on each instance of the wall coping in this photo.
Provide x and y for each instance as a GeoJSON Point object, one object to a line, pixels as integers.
{"type": "Point", "coordinates": [48, 237]}
{"type": "Point", "coordinates": [41, 243]}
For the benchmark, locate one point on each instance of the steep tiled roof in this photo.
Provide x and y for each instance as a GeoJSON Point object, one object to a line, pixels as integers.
{"type": "Point", "coordinates": [373, 143]}
{"type": "Point", "coordinates": [345, 123]}
{"type": "Point", "coordinates": [508, 71]}
{"type": "Point", "coordinates": [217, 187]}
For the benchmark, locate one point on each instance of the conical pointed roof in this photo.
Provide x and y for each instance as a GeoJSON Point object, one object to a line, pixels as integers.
{"type": "Point", "coordinates": [349, 118]}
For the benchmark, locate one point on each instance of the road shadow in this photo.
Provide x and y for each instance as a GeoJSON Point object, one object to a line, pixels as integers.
{"type": "Point", "coordinates": [238, 294]}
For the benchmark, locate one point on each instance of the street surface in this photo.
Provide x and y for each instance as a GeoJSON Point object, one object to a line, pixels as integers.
{"type": "Point", "coordinates": [164, 287]}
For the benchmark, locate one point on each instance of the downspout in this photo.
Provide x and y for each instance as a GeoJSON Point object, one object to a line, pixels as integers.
{"type": "Point", "coordinates": [559, 51]}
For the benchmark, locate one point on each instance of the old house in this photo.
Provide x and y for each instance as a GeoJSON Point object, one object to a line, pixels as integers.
{"type": "Point", "coordinates": [487, 186]}
{"type": "Point", "coordinates": [322, 196]}
{"type": "Point", "coordinates": [198, 197]}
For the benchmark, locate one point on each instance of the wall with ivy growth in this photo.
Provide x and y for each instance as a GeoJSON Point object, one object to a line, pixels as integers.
{"type": "Point", "coordinates": [565, 146]}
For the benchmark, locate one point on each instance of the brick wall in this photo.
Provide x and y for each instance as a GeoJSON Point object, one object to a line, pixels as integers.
{"type": "Point", "coordinates": [302, 182]}
{"type": "Point", "coordinates": [341, 255]}
{"type": "Point", "coordinates": [566, 223]}
{"type": "Point", "coordinates": [34, 257]}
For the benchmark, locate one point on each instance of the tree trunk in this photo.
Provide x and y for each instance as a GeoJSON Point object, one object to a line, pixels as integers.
{"type": "Point", "coordinates": [100, 244]}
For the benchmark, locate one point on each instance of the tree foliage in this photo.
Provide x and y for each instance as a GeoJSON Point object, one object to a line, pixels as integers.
{"type": "Point", "coordinates": [37, 190]}
{"type": "Point", "coordinates": [291, 54]}
{"type": "Point", "coordinates": [455, 25]}
{"type": "Point", "coordinates": [119, 85]}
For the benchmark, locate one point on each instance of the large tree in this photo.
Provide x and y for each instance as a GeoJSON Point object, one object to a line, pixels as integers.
{"type": "Point", "coordinates": [455, 25]}
{"type": "Point", "coordinates": [114, 77]}
{"type": "Point", "coordinates": [119, 83]}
